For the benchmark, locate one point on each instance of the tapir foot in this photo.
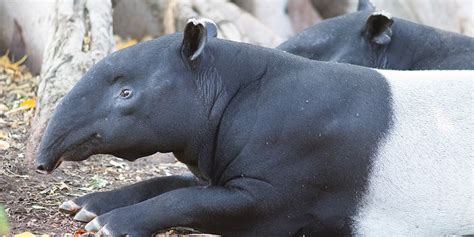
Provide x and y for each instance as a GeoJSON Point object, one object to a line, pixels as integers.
{"type": "Point", "coordinates": [90, 206]}
{"type": "Point", "coordinates": [118, 223]}
{"type": "Point", "coordinates": [82, 214]}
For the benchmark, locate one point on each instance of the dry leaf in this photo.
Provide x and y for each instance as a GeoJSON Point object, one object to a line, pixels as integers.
{"type": "Point", "coordinates": [15, 110]}
{"type": "Point", "coordinates": [9, 65]}
{"type": "Point", "coordinates": [81, 232]}
{"type": "Point", "coordinates": [3, 135]}
{"type": "Point", "coordinates": [126, 44]}
{"type": "Point", "coordinates": [29, 234]}
{"type": "Point", "coordinates": [29, 103]}
{"type": "Point", "coordinates": [38, 207]}
{"type": "Point", "coordinates": [25, 234]}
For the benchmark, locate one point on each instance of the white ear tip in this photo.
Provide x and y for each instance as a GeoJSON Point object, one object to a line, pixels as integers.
{"type": "Point", "coordinates": [193, 20]}
{"type": "Point", "coordinates": [201, 20]}
{"type": "Point", "coordinates": [382, 13]}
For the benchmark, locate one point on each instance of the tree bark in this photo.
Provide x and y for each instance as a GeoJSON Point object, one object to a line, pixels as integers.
{"type": "Point", "coordinates": [82, 35]}
{"type": "Point", "coordinates": [302, 14]}
{"type": "Point", "coordinates": [333, 8]}
{"type": "Point", "coordinates": [272, 13]}
{"type": "Point", "coordinates": [157, 17]}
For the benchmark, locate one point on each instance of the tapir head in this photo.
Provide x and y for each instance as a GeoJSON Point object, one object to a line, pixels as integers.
{"type": "Point", "coordinates": [358, 38]}
{"type": "Point", "coordinates": [133, 103]}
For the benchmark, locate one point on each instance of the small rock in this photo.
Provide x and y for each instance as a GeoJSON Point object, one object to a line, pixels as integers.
{"type": "Point", "coordinates": [3, 108]}
{"type": "Point", "coordinates": [4, 145]}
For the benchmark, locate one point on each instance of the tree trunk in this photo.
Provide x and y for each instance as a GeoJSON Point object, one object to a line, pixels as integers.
{"type": "Point", "coordinates": [157, 17]}
{"type": "Point", "coordinates": [82, 35]}
{"type": "Point", "coordinates": [272, 13]}
{"type": "Point", "coordinates": [333, 8]}
{"type": "Point", "coordinates": [302, 14]}
{"type": "Point", "coordinates": [233, 23]}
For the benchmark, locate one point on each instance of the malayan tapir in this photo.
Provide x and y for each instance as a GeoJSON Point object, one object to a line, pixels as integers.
{"type": "Point", "coordinates": [374, 39]}
{"type": "Point", "coordinates": [280, 145]}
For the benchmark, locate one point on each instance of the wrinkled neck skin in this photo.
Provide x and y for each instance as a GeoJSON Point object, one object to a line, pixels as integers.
{"type": "Point", "coordinates": [226, 68]}
{"type": "Point", "coordinates": [418, 47]}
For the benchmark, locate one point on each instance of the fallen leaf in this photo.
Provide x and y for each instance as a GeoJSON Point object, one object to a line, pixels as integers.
{"type": "Point", "coordinates": [38, 207]}
{"type": "Point", "coordinates": [81, 232]}
{"type": "Point", "coordinates": [117, 164]}
{"type": "Point", "coordinates": [96, 183]}
{"type": "Point", "coordinates": [3, 135]}
{"type": "Point", "coordinates": [4, 228]}
{"type": "Point", "coordinates": [25, 234]}
{"type": "Point", "coordinates": [29, 103]}
{"type": "Point", "coordinates": [126, 44]}
{"type": "Point", "coordinates": [6, 63]}
{"type": "Point", "coordinates": [15, 110]}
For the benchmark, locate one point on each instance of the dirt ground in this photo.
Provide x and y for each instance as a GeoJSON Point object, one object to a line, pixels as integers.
{"type": "Point", "coordinates": [31, 198]}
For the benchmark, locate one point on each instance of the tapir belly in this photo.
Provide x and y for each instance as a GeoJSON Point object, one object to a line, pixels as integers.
{"type": "Point", "coordinates": [422, 178]}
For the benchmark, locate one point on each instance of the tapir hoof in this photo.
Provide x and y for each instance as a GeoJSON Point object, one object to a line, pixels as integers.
{"type": "Point", "coordinates": [93, 226]}
{"type": "Point", "coordinates": [84, 216]}
{"type": "Point", "coordinates": [69, 207]}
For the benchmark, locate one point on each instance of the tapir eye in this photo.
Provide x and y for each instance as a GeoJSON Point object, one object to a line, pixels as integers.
{"type": "Point", "coordinates": [125, 93]}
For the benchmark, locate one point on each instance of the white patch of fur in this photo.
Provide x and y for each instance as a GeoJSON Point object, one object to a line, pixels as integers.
{"type": "Point", "coordinates": [422, 182]}
{"type": "Point", "coordinates": [382, 13]}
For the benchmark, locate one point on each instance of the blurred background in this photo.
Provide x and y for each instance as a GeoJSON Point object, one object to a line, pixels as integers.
{"type": "Point", "coordinates": [47, 45]}
{"type": "Point", "coordinates": [25, 25]}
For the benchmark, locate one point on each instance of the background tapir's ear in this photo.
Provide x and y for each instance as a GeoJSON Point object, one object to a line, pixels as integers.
{"type": "Point", "coordinates": [365, 5]}
{"type": "Point", "coordinates": [196, 33]}
{"type": "Point", "coordinates": [378, 28]}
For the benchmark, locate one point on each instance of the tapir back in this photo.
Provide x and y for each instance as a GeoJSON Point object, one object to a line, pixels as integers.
{"type": "Point", "coordinates": [422, 182]}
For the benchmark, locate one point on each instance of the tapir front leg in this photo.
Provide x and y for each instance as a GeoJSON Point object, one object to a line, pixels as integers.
{"type": "Point", "coordinates": [95, 204]}
{"type": "Point", "coordinates": [227, 210]}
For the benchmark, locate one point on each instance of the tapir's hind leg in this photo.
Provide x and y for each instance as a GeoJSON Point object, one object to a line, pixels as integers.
{"type": "Point", "coordinates": [91, 205]}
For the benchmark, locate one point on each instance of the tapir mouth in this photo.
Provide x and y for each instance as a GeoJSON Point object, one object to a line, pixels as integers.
{"type": "Point", "coordinates": [77, 152]}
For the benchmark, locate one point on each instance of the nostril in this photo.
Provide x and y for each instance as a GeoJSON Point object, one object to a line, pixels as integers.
{"type": "Point", "coordinates": [40, 167]}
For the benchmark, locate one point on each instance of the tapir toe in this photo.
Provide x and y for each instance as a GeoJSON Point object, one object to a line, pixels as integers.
{"type": "Point", "coordinates": [69, 207]}
{"type": "Point", "coordinates": [84, 216]}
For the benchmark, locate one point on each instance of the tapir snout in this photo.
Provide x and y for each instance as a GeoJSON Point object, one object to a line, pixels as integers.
{"type": "Point", "coordinates": [63, 141]}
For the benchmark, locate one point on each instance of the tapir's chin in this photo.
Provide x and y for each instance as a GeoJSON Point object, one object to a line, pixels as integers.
{"type": "Point", "coordinates": [78, 151]}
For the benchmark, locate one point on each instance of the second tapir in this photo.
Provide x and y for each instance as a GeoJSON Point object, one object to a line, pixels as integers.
{"type": "Point", "coordinates": [375, 39]}
{"type": "Point", "coordinates": [281, 145]}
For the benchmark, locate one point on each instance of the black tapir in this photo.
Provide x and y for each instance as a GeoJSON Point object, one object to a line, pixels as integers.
{"type": "Point", "coordinates": [280, 145]}
{"type": "Point", "coordinates": [374, 39]}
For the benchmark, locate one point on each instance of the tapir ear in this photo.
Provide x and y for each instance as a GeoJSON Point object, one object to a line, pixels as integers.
{"type": "Point", "coordinates": [365, 5]}
{"type": "Point", "coordinates": [196, 33]}
{"type": "Point", "coordinates": [378, 28]}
